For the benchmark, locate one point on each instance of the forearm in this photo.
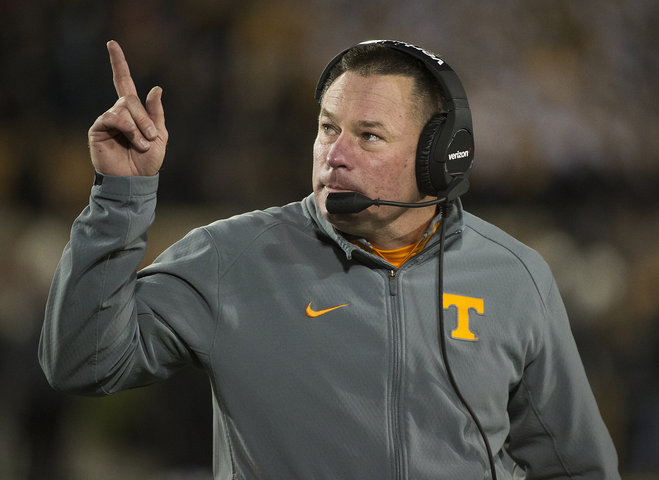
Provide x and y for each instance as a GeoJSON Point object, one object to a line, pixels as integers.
{"type": "Point", "coordinates": [91, 313]}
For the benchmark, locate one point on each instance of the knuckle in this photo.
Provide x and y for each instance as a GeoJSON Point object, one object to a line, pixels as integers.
{"type": "Point", "coordinates": [109, 115]}
{"type": "Point", "coordinates": [120, 119]}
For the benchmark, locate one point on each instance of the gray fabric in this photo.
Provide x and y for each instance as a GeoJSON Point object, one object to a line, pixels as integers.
{"type": "Point", "coordinates": [360, 392]}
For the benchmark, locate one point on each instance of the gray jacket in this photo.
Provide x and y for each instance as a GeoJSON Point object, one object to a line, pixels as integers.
{"type": "Point", "coordinates": [324, 359]}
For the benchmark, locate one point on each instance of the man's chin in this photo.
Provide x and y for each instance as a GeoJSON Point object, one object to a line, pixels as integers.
{"type": "Point", "coordinates": [356, 224]}
{"type": "Point", "coordinates": [343, 218]}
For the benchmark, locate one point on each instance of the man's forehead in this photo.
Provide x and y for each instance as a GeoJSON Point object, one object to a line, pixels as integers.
{"type": "Point", "coordinates": [372, 95]}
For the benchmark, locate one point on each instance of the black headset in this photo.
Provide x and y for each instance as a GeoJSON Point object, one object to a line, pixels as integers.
{"type": "Point", "coordinates": [445, 151]}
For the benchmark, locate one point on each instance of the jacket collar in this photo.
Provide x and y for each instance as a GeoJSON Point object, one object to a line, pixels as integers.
{"type": "Point", "coordinates": [454, 224]}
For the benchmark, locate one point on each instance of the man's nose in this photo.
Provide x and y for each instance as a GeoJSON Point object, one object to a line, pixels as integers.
{"type": "Point", "coordinates": [341, 152]}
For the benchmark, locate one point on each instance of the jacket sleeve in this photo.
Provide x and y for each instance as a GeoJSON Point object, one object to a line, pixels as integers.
{"type": "Point", "coordinates": [556, 428]}
{"type": "Point", "coordinates": [106, 327]}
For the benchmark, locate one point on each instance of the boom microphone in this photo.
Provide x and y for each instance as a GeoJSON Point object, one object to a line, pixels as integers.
{"type": "Point", "coordinates": [354, 202]}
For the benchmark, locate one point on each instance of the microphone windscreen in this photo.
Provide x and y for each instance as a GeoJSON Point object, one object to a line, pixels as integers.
{"type": "Point", "coordinates": [347, 202]}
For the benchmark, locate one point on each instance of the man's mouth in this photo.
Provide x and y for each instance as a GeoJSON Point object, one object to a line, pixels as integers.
{"type": "Point", "coordinates": [335, 188]}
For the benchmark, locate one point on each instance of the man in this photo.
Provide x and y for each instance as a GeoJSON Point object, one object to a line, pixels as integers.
{"type": "Point", "coordinates": [319, 329]}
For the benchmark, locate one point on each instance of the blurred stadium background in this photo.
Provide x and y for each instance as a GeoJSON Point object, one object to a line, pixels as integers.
{"type": "Point", "coordinates": [564, 99]}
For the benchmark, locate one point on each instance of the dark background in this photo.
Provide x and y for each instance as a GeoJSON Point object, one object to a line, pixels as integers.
{"type": "Point", "coordinates": [564, 103]}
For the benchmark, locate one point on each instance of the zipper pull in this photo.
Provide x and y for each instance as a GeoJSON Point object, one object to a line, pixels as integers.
{"type": "Point", "coordinates": [393, 286]}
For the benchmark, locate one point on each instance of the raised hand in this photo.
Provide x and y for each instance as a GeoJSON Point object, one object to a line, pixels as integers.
{"type": "Point", "coordinates": [130, 138]}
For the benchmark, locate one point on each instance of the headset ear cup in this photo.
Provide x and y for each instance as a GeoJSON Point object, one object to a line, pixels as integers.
{"type": "Point", "coordinates": [425, 153]}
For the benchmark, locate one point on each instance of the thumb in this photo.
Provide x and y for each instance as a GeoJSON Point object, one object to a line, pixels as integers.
{"type": "Point", "coordinates": [154, 107]}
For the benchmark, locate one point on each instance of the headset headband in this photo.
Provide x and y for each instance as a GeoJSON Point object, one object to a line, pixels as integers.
{"type": "Point", "coordinates": [454, 93]}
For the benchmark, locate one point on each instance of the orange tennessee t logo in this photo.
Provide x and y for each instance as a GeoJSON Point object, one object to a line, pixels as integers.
{"type": "Point", "coordinates": [463, 305]}
{"type": "Point", "coordinates": [311, 313]}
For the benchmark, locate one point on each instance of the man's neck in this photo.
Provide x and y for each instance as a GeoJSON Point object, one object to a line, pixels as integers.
{"type": "Point", "coordinates": [398, 234]}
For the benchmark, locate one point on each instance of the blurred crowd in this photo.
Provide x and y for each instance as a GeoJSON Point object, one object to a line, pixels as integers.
{"type": "Point", "coordinates": [563, 96]}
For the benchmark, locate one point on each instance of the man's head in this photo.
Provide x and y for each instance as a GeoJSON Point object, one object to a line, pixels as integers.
{"type": "Point", "coordinates": [374, 104]}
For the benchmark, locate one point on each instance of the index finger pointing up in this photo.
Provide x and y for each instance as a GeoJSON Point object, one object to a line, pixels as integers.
{"type": "Point", "coordinates": [123, 82]}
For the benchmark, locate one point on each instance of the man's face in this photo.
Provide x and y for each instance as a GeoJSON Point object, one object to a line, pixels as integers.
{"type": "Point", "coordinates": [367, 139]}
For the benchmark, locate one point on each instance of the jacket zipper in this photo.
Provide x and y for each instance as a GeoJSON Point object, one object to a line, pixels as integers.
{"type": "Point", "coordinates": [393, 287]}
{"type": "Point", "coordinates": [396, 379]}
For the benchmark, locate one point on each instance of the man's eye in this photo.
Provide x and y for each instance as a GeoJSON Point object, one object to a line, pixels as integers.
{"type": "Point", "coordinates": [370, 137]}
{"type": "Point", "coordinates": [327, 128]}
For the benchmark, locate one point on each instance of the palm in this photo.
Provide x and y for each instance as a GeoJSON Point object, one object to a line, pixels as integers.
{"type": "Point", "coordinates": [112, 153]}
